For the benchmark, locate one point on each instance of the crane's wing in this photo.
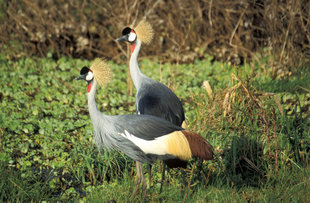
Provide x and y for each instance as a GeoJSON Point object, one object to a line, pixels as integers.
{"type": "Point", "coordinates": [158, 100]}
{"type": "Point", "coordinates": [158, 138]}
{"type": "Point", "coordinates": [146, 127]}
{"type": "Point", "coordinates": [154, 136]}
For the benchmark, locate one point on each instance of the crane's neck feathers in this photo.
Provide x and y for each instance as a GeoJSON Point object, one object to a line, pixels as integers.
{"type": "Point", "coordinates": [94, 112]}
{"type": "Point", "coordinates": [132, 47]}
{"type": "Point", "coordinates": [145, 35]}
{"type": "Point", "coordinates": [89, 87]}
{"type": "Point", "coordinates": [135, 71]}
{"type": "Point", "coordinates": [92, 88]}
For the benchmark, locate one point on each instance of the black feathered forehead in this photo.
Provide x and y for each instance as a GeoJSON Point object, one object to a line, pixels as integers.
{"type": "Point", "coordinates": [84, 70]}
{"type": "Point", "coordinates": [126, 31]}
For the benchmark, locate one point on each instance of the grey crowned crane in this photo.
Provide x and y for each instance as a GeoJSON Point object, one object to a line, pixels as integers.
{"type": "Point", "coordinates": [152, 98]}
{"type": "Point", "coordinates": [144, 138]}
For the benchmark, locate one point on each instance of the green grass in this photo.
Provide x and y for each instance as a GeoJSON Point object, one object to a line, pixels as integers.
{"type": "Point", "coordinates": [285, 186]}
{"type": "Point", "coordinates": [47, 151]}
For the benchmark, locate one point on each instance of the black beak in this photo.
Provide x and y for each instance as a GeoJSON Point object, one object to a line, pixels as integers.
{"type": "Point", "coordinates": [81, 77]}
{"type": "Point", "coordinates": [122, 38]}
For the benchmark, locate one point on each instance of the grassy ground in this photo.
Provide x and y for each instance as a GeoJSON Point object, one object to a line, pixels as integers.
{"type": "Point", "coordinates": [259, 128]}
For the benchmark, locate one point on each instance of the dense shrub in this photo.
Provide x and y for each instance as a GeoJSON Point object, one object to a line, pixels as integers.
{"type": "Point", "coordinates": [185, 30]}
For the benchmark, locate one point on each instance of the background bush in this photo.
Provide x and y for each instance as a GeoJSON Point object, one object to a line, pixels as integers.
{"type": "Point", "coordinates": [185, 30]}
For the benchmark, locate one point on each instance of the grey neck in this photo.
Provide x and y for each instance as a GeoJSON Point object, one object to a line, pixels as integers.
{"type": "Point", "coordinates": [135, 71]}
{"type": "Point", "coordinates": [101, 122]}
{"type": "Point", "coordinates": [92, 106]}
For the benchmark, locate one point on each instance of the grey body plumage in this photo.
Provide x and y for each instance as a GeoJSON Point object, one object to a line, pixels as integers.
{"type": "Point", "coordinates": [150, 101]}
{"type": "Point", "coordinates": [154, 98]}
{"type": "Point", "coordinates": [108, 130]}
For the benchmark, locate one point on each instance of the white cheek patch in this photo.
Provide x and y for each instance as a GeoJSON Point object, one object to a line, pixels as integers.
{"type": "Point", "coordinates": [132, 37]}
{"type": "Point", "coordinates": [89, 76]}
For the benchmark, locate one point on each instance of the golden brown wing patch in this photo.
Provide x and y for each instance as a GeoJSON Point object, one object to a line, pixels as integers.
{"type": "Point", "coordinates": [198, 145]}
{"type": "Point", "coordinates": [178, 145]}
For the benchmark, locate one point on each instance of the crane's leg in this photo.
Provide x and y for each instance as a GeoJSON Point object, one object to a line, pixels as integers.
{"type": "Point", "coordinates": [162, 177]}
{"type": "Point", "coordinates": [138, 179]}
{"type": "Point", "coordinates": [149, 171]}
{"type": "Point", "coordinates": [189, 181]}
{"type": "Point", "coordinates": [144, 186]}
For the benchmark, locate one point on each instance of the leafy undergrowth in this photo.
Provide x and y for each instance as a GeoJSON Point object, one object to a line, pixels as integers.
{"type": "Point", "coordinates": [259, 128]}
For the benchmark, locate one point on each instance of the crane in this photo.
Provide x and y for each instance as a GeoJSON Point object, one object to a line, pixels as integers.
{"type": "Point", "coordinates": [152, 98]}
{"type": "Point", "coordinates": [143, 138]}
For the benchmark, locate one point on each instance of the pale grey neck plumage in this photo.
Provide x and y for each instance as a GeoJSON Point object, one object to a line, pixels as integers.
{"type": "Point", "coordinates": [101, 122]}
{"type": "Point", "coordinates": [135, 72]}
{"type": "Point", "coordinates": [92, 106]}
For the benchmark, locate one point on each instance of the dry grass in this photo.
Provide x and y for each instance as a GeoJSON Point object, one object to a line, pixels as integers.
{"type": "Point", "coordinates": [240, 106]}
{"type": "Point", "coordinates": [184, 30]}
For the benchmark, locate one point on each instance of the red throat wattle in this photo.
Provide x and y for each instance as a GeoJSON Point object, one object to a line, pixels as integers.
{"type": "Point", "coordinates": [89, 87]}
{"type": "Point", "coordinates": [132, 47]}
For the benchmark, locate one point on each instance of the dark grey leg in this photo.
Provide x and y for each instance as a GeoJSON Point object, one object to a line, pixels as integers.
{"type": "Point", "coordinates": [162, 178]}
{"type": "Point", "coordinates": [138, 179]}
{"type": "Point", "coordinates": [149, 170]}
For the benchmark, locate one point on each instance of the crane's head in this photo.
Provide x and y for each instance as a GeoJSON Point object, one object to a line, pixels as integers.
{"type": "Point", "coordinates": [99, 70]}
{"type": "Point", "coordinates": [86, 74]}
{"type": "Point", "coordinates": [129, 35]}
{"type": "Point", "coordinates": [144, 32]}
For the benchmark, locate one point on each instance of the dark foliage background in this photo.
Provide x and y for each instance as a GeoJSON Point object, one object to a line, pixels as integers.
{"type": "Point", "coordinates": [185, 29]}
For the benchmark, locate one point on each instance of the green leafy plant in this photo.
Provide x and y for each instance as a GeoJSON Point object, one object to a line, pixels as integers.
{"type": "Point", "coordinates": [259, 131]}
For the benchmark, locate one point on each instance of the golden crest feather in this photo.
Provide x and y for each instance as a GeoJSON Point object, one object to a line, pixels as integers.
{"type": "Point", "coordinates": [144, 32]}
{"type": "Point", "coordinates": [102, 72]}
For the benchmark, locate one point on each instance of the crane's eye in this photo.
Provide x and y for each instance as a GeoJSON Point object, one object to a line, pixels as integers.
{"type": "Point", "coordinates": [89, 76]}
{"type": "Point", "coordinates": [132, 37]}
